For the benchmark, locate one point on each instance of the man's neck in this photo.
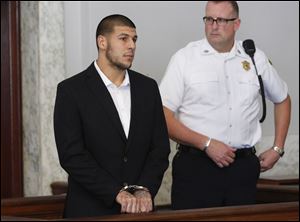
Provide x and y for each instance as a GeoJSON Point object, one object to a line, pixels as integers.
{"type": "Point", "coordinates": [223, 48]}
{"type": "Point", "coordinates": [115, 75]}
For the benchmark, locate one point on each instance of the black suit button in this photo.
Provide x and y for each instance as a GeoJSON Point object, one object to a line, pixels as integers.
{"type": "Point", "coordinates": [125, 184]}
{"type": "Point", "coordinates": [125, 159]}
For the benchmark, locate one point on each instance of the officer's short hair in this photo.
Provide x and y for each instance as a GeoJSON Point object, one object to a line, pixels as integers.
{"type": "Point", "coordinates": [234, 5]}
{"type": "Point", "coordinates": [107, 25]}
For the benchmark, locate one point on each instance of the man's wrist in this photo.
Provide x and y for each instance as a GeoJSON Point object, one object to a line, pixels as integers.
{"type": "Point", "coordinates": [133, 188]}
{"type": "Point", "coordinates": [278, 150]}
{"type": "Point", "coordinates": [207, 144]}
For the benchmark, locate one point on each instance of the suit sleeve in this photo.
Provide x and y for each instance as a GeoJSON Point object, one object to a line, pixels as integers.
{"type": "Point", "coordinates": [73, 155]}
{"type": "Point", "coordinates": [157, 161]}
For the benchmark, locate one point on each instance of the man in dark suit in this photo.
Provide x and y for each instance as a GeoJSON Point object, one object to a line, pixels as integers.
{"type": "Point", "coordinates": [110, 129]}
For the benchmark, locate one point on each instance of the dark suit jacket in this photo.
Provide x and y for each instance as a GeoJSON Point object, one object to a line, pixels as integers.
{"type": "Point", "coordinates": [93, 148]}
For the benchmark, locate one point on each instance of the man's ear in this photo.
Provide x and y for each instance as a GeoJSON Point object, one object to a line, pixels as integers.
{"type": "Point", "coordinates": [237, 24]}
{"type": "Point", "coordinates": [101, 42]}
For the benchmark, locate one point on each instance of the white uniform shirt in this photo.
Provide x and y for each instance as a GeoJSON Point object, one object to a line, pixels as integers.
{"type": "Point", "coordinates": [120, 96]}
{"type": "Point", "coordinates": [217, 94]}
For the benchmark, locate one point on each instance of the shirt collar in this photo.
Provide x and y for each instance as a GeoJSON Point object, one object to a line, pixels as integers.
{"type": "Point", "coordinates": [207, 49]}
{"type": "Point", "coordinates": [237, 50]}
{"type": "Point", "coordinates": [240, 50]}
{"type": "Point", "coordinates": [107, 82]}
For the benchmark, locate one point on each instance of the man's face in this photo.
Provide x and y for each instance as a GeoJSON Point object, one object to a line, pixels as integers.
{"type": "Point", "coordinates": [120, 48]}
{"type": "Point", "coordinates": [221, 36]}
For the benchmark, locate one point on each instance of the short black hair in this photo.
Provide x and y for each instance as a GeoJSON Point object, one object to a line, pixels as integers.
{"type": "Point", "coordinates": [107, 24]}
{"type": "Point", "coordinates": [233, 4]}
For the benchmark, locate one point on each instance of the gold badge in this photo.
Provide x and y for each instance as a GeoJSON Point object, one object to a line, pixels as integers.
{"type": "Point", "coordinates": [246, 65]}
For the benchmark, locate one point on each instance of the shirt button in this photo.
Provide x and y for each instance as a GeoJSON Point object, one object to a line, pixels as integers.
{"type": "Point", "coordinates": [229, 142]}
{"type": "Point", "coordinates": [230, 125]}
{"type": "Point", "coordinates": [228, 93]}
{"type": "Point", "coordinates": [125, 159]}
{"type": "Point", "coordinates": [230, 108]}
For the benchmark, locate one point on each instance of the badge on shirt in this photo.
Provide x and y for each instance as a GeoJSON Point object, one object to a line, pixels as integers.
{"type": "Point", "coordinates": [246, 65]}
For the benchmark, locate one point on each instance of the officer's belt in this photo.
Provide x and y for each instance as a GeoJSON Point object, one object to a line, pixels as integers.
{"type": "Point", "coordinates": [242, 152]}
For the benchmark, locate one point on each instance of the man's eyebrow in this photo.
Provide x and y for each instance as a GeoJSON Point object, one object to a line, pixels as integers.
{"type": "Point", "coordinates": [125, 34]}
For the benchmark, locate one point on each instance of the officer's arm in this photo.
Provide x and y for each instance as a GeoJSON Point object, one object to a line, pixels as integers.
{"type": "Point", "coordinates": [282, 121]}
{"type": "Point", "coordinates": [181, 134]}
{"type": "Point", "coordinates": [219, 152]}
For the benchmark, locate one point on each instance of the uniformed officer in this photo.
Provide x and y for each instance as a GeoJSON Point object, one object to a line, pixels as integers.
{"type": "Point", "coordinates": [211, 97]}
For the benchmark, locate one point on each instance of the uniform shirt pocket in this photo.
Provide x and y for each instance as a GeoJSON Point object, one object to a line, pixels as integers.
{"type": "Point", "coordinates": [204, 88]}
{"type": "Point", "coordinates": [248, 89]}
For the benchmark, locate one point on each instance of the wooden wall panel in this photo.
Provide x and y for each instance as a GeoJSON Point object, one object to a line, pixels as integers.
{"type": "Point", "coordinates": [11, 121]}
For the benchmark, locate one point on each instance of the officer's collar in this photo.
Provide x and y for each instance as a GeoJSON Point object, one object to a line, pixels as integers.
{"type": "Point", "coordinates": [237, 50]}
{"type": "Point", "coordinates": [207, 49]}
{"type": "Point", "coordinates": [240, 50]}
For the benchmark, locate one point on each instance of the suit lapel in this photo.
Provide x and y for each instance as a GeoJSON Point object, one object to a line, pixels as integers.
{"type": "Point", "coordinates": [99, 89]}
{"type": "Point", "coordinates": [134, 107]}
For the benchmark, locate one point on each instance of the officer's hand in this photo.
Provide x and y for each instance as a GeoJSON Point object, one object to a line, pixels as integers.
{"type": "Point", "coordinates": [220, 153]}
{"type": "Point", "coordinates": [268, 159]}
{"type": "Point", "coordinates": [128, 202]}
{"type": "Point", "coordinates": [144, 201]}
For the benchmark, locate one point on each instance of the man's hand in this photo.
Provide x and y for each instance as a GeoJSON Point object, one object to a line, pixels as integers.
{"type": "Point", "coordinates": [144, 201]}
{"type": "Point", "coordinates": [268, 159]}
{"type": "Point", "coordinates": [128, 202]}
{"type": "Point", "coordinates": [220, 153]}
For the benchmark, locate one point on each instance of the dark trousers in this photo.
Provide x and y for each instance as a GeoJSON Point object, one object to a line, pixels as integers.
{"type": "Point", "coordinates": [199, 183]}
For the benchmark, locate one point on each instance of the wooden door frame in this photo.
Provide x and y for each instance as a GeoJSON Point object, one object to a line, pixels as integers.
{"type": "Point", "coordinates": [11, 104]}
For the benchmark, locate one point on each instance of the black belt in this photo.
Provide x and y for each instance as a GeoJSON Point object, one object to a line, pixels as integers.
{"type": "Point", "coordinates": [243, 152]}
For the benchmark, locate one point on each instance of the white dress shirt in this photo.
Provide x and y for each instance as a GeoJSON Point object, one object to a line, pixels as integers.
{"type": "Point", "coordinates": [121, 97]}
{"type": "Point", "coordinates": [217, 94]}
